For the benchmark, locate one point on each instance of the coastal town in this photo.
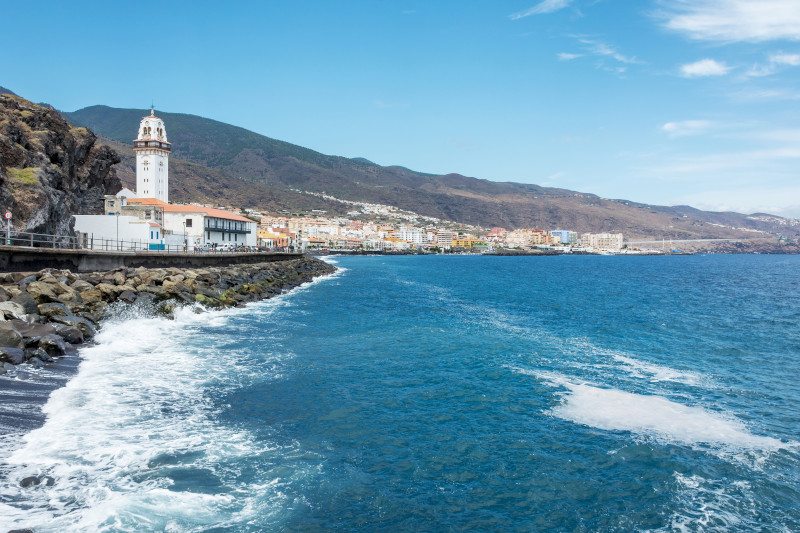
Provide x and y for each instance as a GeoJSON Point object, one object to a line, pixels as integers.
{"type": "Point", "coordinates": [145, 219]}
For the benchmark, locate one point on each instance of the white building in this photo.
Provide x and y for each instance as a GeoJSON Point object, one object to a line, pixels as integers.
{"type": "Point", "coordinates": [413, 235]}
{"type": "Point", "coordinates": [602, 241]}
{"type": "Point", "coordinates": [198, 225]}
{"type": "Point", "coordinates": [119, 232]}
{"type": "Point", "coordinates": [152, 159]}
{"type": "Point", "coordinates": [444, 239]}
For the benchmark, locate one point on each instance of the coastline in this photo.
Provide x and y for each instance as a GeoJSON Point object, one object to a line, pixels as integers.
{"type": "Point", "coordinates": [47, 316]}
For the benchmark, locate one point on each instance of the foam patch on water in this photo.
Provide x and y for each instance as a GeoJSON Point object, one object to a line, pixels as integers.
{"type": "Point", "coordinates": [657, 373]}
{"type": "Point", "coordinates": [616, 410]}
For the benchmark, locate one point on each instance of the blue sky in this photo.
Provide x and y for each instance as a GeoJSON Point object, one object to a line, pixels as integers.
{"type": "Point", "coordinates": [659, 101]}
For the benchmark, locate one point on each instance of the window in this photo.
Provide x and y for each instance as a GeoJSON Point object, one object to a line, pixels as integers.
{"type": "Point", "coordinates": [188, 222]}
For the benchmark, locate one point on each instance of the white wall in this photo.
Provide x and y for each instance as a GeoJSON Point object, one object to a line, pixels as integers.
{"type": "Point", "coordinates": [105, 227]}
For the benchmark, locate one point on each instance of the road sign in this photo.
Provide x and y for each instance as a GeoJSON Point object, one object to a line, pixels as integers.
{"type": "Point", "coordinates": [8, 215]}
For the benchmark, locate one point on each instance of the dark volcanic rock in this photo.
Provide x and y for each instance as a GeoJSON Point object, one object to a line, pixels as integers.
{"type": "Point", "coordinates": [27, 302]}
{"type": "Point", "coordinates": [49, 170]}
{"type": "Point", "coordinates": [15, 356]}
{"type": "Point", "coordinates": [9, 336]}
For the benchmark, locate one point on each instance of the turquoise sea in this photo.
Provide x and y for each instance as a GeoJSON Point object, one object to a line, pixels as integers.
{"type": "Point", "coordinates": [439, 393]}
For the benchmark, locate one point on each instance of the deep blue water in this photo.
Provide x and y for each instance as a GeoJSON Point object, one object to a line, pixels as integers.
{"type": "Point", "coordinates": [447, 393]}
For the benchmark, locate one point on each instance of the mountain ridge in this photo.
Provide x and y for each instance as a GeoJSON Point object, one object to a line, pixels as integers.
{"type": "Point", "coordinates": [275, 168]}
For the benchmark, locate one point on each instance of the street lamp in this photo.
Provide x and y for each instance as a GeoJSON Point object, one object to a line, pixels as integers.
{"type": "Point", "coordinates": [117, 216]}
{"type": "Point", "coordinates": [185, 241]}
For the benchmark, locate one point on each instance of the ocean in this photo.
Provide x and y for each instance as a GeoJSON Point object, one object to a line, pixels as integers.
{"type": "Point", "coordinates": [437, 393]}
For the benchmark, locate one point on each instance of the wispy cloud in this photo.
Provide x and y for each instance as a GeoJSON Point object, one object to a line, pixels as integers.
{"type": "Point", "coordinates": [774, 64]}
{"type": "Point", "coordinates": [546, 6]}
{"type": "Point", "coordinates": [686, 127]}
{"type": "Point", "coordinates": [704, 68]}
{"type": "Point", "coordinates": [600, 48]}
{"type": "Point", "coordinates": [564, 56]}
{"type": "Point", "coordinates": [749, 95]}
{"type": "Point", "coordinates": [785, 59]}
{"type": "Point", "coordinates": [734, 20]}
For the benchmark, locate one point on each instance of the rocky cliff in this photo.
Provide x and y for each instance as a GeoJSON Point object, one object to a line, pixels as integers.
{"type": "Point", "coordinates": [49, 170]}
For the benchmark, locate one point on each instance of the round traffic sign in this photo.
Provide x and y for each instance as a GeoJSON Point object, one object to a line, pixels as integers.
{"type": "Point", "coordinates": [8, 215]}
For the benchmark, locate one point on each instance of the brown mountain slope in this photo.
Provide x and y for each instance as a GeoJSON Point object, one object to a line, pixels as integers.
{"type": "Point", "coordinates": [221, 153]}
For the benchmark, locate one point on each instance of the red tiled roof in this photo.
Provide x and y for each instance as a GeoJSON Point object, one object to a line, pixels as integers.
{"type": "Point", "coordinates": [175, 208]}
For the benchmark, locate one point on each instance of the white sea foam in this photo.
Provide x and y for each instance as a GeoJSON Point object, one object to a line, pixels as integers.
{"type": "Point", "coordinates": [139, 396]}
{"type": "Point", "coordinates": [715, 505]}
{"type": "Point", "coordinates": [656, 373]}
{"type": "Point", "coordinates": [653, 416]}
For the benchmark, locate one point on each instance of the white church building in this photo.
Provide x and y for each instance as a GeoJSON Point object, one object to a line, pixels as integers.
{"type": "Point", "coordinates": [152, 159]}
{"type": "Point", "coordinates": [145, 220]}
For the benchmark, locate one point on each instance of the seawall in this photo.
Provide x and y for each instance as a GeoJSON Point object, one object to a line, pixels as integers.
{"type": "Point", "coordinates": [31, 259]}
{"type": "Point", "coordinates": [43, 314]}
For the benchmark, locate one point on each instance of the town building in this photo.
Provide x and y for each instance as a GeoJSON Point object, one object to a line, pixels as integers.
{"type": "Point", "coordinates": [564, 236]}
{"type": "Point", "coordinates": [602, 241]}
{"type": "Point", "coordinates": [199, 225]}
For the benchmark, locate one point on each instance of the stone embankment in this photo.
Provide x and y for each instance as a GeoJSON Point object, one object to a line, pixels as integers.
{"type": "Point", "coordinates": [44, 314]}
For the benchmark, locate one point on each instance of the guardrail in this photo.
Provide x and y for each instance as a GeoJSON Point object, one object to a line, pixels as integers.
{"type": "Point", "coordinates": [90, 242]}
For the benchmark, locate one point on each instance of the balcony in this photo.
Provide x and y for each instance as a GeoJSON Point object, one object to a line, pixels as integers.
{"type": "Point", "coordinates": [151, 144]}
{"type": "Point", "coordinates": [226, 228]}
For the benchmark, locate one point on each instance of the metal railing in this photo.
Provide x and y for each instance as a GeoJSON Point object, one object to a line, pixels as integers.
{"type": "Point", "coordinates": [40, 240]}
{"type": "Point", "coordinates": [90, 242]}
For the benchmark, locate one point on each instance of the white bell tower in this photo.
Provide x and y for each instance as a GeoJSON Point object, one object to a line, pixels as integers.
{"type": "Point", "coordinates": [152, 159]}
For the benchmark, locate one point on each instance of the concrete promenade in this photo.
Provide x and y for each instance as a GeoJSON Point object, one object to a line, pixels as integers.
{"type": "Point", "coordinates": [32, 259]}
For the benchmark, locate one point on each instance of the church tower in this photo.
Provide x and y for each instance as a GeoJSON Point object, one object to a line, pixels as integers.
{"type": "Point", "coordinates": [152, 159]}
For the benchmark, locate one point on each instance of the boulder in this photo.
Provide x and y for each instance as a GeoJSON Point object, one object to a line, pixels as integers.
{"type": "Point", "coordinates": [42, 292]}
{"type": "Point", "coordinates": [13, 356]}
{"type": "Point", "coordinates": [9, 336]}
{"type": "Point", "coordinates": [71, 334]}
{"type": "Point", "coordinates": [50, 310]}
{"type": "Point", "coordinates": [27, 302]}
{"type": "Point", "coordinates": [29, 481]}
{"type": "Point", "coordinates": [87, 328]}
{"type": "Point", "coordinates": [81, 285]}
{"type": "Point", "coordinates": [91, 296]}
{"type": "Point", "coordinates": [26, 280]}
{"type": "Point", "coordinates": [69, 295]}
{"type": "Point", "coordinates": [12, 309]}
{"type": "Point", "coordinates": [39, 354]}
{"type": "Point", "coordinates": [53, 345]}
{"type": "Point", "coordinates": [32, 330]}
{"type": "Point", "coordinates": [127, 296]}
{"type": "Point", "coordinates": [109, 291]}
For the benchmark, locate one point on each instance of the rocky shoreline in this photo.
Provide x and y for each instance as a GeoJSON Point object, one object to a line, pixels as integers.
{"type": "Point", "coordinates": [45, 314]}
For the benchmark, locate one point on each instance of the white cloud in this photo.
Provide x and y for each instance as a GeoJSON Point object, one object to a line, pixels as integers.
{"type": "Point", "coordinates": [686, 127]}
{"type": "Point", "coordinates": [750, 95]}
{"type": "Point", "coordinates": [775, 62]}
{"type": "Point", "coordinates": [564, 56]}
{"type": "Point", "coordinates": [703, 68]}
{"type": "Point", "coordinates": [602, 49]}
{"type": "Point", "coordinates": [734, 20]}
{"type": "Point", "coordinates": [785, 59]}
{"type": "Point", "coordinates": [546, 6]}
